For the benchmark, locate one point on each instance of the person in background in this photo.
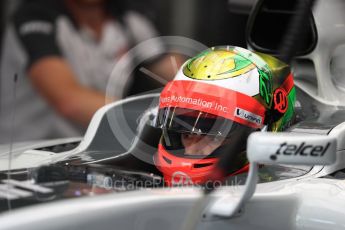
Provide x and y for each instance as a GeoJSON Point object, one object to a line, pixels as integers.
{"type": "Point", "coordinates": [63, 52]}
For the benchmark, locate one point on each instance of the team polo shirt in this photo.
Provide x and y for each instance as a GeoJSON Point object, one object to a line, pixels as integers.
{"type": "Point", "coordinates": [45, 28]}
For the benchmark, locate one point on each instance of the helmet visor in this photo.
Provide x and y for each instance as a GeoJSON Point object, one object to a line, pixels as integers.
{"type": "Point", "coordinates": [196, 122]}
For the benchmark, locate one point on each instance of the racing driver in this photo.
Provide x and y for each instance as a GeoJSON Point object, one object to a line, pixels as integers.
{"type": "Point", "coordinates": [216, 97]}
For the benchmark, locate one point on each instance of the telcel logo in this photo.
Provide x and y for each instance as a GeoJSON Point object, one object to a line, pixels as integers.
{"type": "Point", "coordinates": [302, 150]}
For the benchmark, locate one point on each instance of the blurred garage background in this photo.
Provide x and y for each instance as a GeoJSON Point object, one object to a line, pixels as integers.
{"type": "Point", "coordinates": [211, 23]}
{"type": "Point", "coordinates": [208, 22]}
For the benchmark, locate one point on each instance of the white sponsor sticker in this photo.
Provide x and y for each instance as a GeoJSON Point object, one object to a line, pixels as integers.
{"type": "Point", "coordinates": [248, 116]}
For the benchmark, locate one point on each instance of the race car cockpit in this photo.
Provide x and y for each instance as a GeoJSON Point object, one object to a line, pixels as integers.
{"type": "Point", "coordinates": [176, 136]}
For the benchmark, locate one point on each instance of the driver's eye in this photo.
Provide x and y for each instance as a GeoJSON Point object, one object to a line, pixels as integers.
{"type": "Point", "coordinates": [187, 135]}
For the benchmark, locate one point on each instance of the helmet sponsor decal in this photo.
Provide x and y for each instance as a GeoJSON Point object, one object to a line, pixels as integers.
{"type": "Point", "coordinates": [248, 116]}
{"type": "Point", "coordinates": [215, 100]}
{"type": "Point", "coordinates": [189, 100]}
{"type": "Point", "coordinates": [280, 100]}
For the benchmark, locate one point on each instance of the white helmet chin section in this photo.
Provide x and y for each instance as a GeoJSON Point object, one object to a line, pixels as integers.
{"type": "Point", "coordinates": [291, 148]}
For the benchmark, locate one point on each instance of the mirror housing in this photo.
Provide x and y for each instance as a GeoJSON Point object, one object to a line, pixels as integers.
{"type": "Point", "coordinates": [291, 148]}
{"type": "Point", "coordinates": [275, 148]}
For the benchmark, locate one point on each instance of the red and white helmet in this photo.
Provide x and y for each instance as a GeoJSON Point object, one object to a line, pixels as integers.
{"type": "Point", "coordinates": [220, 94]}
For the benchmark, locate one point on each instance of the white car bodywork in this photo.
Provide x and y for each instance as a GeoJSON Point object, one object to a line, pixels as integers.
{"type": "Point", "coordinates": [306, 202]}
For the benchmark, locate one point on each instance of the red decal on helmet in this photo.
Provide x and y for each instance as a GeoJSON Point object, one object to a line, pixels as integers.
{"type": "Point", "coordinates": [288, 83]}
{"type": "Point", "coordinates": [181, 178]}
{"type": "Point", "coordinates": [217, 100]}
{"type": "Point", "coordinates": [280, 100]}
